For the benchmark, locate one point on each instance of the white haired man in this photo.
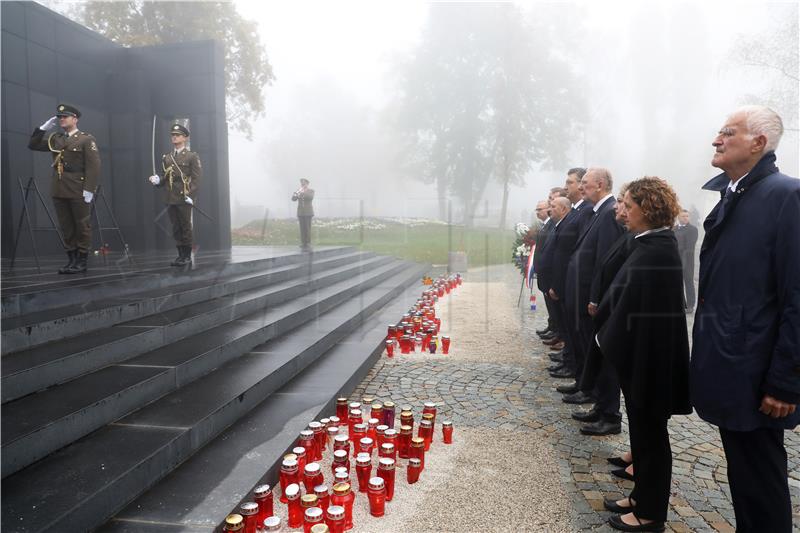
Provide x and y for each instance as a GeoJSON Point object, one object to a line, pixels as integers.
{"type": "Point", "coordinates": [745, 366]}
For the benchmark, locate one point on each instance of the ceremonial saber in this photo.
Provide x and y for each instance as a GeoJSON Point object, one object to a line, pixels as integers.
{"type": "Point", "coordinates": [153, 146]}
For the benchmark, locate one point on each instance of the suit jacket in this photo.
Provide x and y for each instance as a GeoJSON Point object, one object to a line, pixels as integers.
{"type": "Point", "coordinates": [304, 199]}
{"type": "Point", "coordinates": [77, 157]}
{"type": "Point", "coordinates": [687, 242]}
{"type": "Point", "coordinates": [182, 174]}
{"type": "Point", "coordinates": [600, 233]}
{"type": "Point", "coordinates": [567, 235]}
{"type": "Point", "coordinates": [746, 337]}
{"type": "Point", "coordinates": [644, 334]}
{"type": "Point", "coordinates": [542, 237]}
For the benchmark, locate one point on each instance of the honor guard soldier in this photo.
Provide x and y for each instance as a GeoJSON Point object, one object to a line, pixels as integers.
{"type": "Point", "coordinates": [76, 173]}
{"type": "Point", "coordinates": [305, 212]}
{"type": "Point", "coordinates": [182, 173]}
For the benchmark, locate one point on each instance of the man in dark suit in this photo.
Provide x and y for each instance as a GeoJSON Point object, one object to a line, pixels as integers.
{"type": "Point", "coordinates": [600, 234]}
{"type": "Point", "coordinates": [745, 366]}
{"type": "Point", "coordinates": [686, 234]}
{"type": "Point", "coordinates": [574, 224]}
{"type": "Point", "coordinates": [304, 196]}
{"type": "Point", "coordinates": [542, 239]}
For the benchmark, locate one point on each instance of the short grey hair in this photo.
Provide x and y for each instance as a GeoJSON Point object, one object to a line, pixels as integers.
{"type": "Point", "coordinates": [605, 174]}
{"type": "Point", "coordinates": [762, 120]}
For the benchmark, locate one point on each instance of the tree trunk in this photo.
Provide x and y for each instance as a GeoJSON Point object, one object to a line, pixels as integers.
{"type": "Point", "coordinates": [504, 208]}
{"type": "Point", "coordinates": [441, 190]}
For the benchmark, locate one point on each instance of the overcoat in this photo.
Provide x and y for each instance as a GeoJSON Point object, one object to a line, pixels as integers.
{"type": "Point", "coordinates": [644, 335]}
{"type": "Point", "coordinates": [569, 230]}
{"type": "Point", "coordinates": [746, 337]}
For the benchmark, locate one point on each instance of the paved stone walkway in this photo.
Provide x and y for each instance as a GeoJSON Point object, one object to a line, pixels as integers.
{"type": "Point", "coordinates": [516, 395]}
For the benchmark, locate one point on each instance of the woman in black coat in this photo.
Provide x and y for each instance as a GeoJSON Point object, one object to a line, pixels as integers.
{"type": "Point", "coordinates": [645, 338]}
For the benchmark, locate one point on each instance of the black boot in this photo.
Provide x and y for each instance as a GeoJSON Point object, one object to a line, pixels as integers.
{"type": "Point", "coordinates": [73, 256]}
{"type": "Point", "coordinates": [79, 267]}
{"type": "Point", "coordinates": [177, 261]}
{"type": "Point", "coordinates": [185, 257]}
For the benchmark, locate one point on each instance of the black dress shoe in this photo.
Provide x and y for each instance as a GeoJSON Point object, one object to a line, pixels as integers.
{"type": "Point", "coordinates": [602, 427]}
{"type": "Point", "coordinates": [577, 398]}
{"type": "Point", "coordinates": [617, 523]}
{"type": "Point", "coordinates": [618, 461]}
{"type": "Point", "coordinates": [587, 416]}
{"type": "Point", "coordinates": [572, 388]}
{"type": "Point", "coordinates": [556, 367]}
{"type": "Point", "coordinates": [563, 373]}
{"type": "Point", "coordinates": [620, 472]}
{"type": "Point", "coordinates": [612, 506]}
{"type": "Point", "coordinates": [559, 353]}
{"type": "Point", "coordinates": [543, 331]}
{"type": "Point", "coordinates": [554, 357]}
{"type": "Point", "coordinates": [552, 341]}
{"type": "Point", "coordinates": [549, 335]}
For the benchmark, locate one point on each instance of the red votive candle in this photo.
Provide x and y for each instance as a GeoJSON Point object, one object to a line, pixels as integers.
{"type": "Point", "coordinates": [334, 517]}
{"type": "Point", "coordinates": [295, 509]}
{"type": "Point", "coordinates": [417, 451]}
{"type": "Point", "coordinates": [425, 432]}
{"type": "Point", "coordinates": [341, 409]}
{"type": "Point", "coordinates": [323, 496]}
{"type": "Point", "coordinates": [341, 442]}
{"type": "Point", "coordinates": [372, 428]}
{"type": "Point", "coordinates": [344, 497]}
{"type": "Point", "coordinates": [390, 348]}
{"type": "Point", "coordinates": [432, 345]}
{"type": "Point", "coordinates": [319, 440]}
{"type": "Point", "coordinates": [413, 470]}
{"type": "Point", "coordinates": [386, 471]}
{"type": "Point", "coordinates": [300, 453]}
{"type": "Point", "coordinates": [249, 511]}
{"type": "Point", "coordinates": [359, 432]}
{"type": "Point", "coordinates": [353, 420]}
{"type": "Point", "coordinates": [341, 476]}
{"type": "Point", "coordinates": [445, 344]}
{"type": "Point", "coordinates": [447, 432]}
{"type": "Point", "coordinates": [430, 408]}
{"type": "Point", "coordinates": [404, 441]}
{"type": "Point", "coordinates": [288, 476]}
{"type": "Point", "coordinates": [312, 476]}
{"type": "Point", "coordinates": [340, 459]}
{"type": "Point", "coordinates": [406, 418]}
{"type": "Point", "coordinates": [387, 450]}
{"type": "Point", "coordinates": [273, 523]}
{"type": "Point", "coordinates": [377, 412]}
{"type": "Point", "coordinates": [377, 496]}
{"type": "Point", "coordinates": [331, 432]}
{"type": "Point", "coordinates": [363, 471]}
{"type": "Point", "coordinates": [380, 434]}
{"type": "Point", "coordinates": [234, 522]}
{"type": "Point", "coordinates": [320, 528]}
{"type": "Point", "coordinates": [388, 414]}
{"type": "Point", "coordinates": [309, 442]}
{"type": "Point", "coordinates": [365, 445]}
{"type": "Point", "coordinates": [313, 516]}
{"type": "Point", "coordinates": [262, 494]}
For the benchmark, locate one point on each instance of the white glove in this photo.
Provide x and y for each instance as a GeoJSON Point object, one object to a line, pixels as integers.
{"type": "Point", "coordinates": [87, 196]}
{"type": "Point", "coordinates": [189, 201]}
{"type": "Point", "coordinates": [51, 123]}
{"type": "Point", "coordinates": [155, 179]}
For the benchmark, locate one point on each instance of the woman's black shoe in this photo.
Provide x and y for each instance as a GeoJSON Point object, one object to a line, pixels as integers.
{"type": "Point", "coordinates": [620, 472]}
{"type": "Point", "coordinates": [618, 461]}
{"type": "Point", "coordinates": [617, 523]}
{"type": "Point", "coordinates": [614, 507]}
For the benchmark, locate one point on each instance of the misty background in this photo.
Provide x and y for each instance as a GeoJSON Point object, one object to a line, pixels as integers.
{"type": "Point", "coordinates": [453, 110]}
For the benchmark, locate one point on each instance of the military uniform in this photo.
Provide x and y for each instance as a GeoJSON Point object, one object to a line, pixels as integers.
{"type": "Point", "coordinates": [305, 212]}
{"type": "Point", "coordinates": [182, 174]}
{"type": "Point", "coordinates": [76, 170]}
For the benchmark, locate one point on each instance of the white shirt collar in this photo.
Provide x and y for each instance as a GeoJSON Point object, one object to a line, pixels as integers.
{"type": "Point", "coordinates": [577, 204]}
{"type": "Point", "coordinates": [656, 230]}
{"type": "Point", "coordinates": [73, 132]}
{"type": "Point", "coordinates": [732, 185]}
{"type": "Point", "coordinates": [603, 199]}
{"type": "Point", "coordinates": [546, 221]}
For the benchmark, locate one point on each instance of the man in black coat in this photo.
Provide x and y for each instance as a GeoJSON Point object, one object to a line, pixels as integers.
{"type": "Point", "coordinates": [745, 369]}
{"type": "Point", "coordinates": [686, 234]}
{"type": "Point", "coordinates": [574, 224]}
{"type": "Point", "coordinates": [545, 229]}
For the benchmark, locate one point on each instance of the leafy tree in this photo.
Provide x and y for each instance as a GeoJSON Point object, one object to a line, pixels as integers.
{"type": "Point", "coordinates": [143, 23]}
{"type": "Point", "coordinates": [482, 98]}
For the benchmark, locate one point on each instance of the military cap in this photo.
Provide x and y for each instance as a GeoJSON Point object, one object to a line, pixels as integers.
{"type": "Point", "coordinates": [178, 129]}
{"type": "Point", "coordinates": [66, 110]}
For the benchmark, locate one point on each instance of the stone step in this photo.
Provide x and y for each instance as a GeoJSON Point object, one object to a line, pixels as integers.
{"type": "Point", "coordinates": [31, 370]}
{"type": "Point", "coordinates": [28, 294]}
{"type": "Point", "coordinates": [39, 424]}
{"type": "Point", "coordinates": [94, 477]}
{"type": "Point", "coordinates": [36, 328]}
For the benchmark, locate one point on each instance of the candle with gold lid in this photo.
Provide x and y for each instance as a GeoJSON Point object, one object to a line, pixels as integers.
{"type": "Point", "coordinates": [404, 441]}
{"type": "Point", "coordinates": [388, 414]}
{"type": "Point", "coordinates": [413, 470]}
{"type": "Point", "coordinates": [344, 497]}
{"type": "Point", "coordinates": [425, 432]}
{"type": "Point", "coordinates": [447, 432]}
{"type": "Point", "coordinates": [320, 528]}
{"type": "Point", "coordinates": [234, 522]}
{"type": "Point", "coordinates": [417, 451]}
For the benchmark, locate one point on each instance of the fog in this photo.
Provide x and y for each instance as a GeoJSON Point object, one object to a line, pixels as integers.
{"type": "Point", "coordinates": [655, 80]}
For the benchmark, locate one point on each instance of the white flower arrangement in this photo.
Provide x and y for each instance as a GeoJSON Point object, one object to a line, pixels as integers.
{"type": "Point", "coordinates": [521, 229]}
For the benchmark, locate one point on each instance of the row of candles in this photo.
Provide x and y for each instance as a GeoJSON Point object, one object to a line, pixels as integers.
{"type": "Point", "coordinates": [419, 328]}
{"type": "Point", "coordinates": [317, 510]}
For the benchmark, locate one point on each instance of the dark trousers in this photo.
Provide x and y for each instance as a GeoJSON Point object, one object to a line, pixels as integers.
{"type": "Point", "coordinates": [305, 230]}
{"type": "Point", "coordinates": [568, 335]}
{"type": "Point", "coordinates": [572, 336]}
{"type": "Point", "coordinates": [180, 215]}
{"type": "Point", "coordinates": [552, 319]}
{"type": "Point", "coordinates": [758, 477]}
{"type": "Point", "coordinates": [73, 219]}
{"type": "Point", "coordinates": [688, 282]}
{"type": "Point", "coordinates": [606, 392]}
{"type": "Point", "coordinates": [652, 463]}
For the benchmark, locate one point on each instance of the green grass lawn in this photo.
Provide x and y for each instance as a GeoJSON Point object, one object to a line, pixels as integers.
{"type": "Point", "coordinates": [423, 241]}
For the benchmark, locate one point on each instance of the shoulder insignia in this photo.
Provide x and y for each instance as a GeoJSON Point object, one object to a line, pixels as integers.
{"type": "Point", "coordinates": [93, 146]}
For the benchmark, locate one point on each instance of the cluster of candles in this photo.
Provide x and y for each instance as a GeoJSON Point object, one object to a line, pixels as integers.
{"type": "Point", "coordinates": [419, 328]}
{"type": "Point", "coordinates": [376, 443]}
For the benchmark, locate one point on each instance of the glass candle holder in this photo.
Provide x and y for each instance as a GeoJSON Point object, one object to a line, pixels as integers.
{"type": "Point", "coordinates": [404, 441]}
{"type": "Point", "coordinates": [249, 511]}
{"type": "Point", "coordinates": [366, 404]}
{"type": "Point", "coordinates": [319, 440]}
{"type": "Point", "coordinates": [312, 476]}
{"type": "Point", "coordinates": [417, 451]}
{"type": "Point", "coordinates": [430, 408]}
{"type": "Point", "coordinates": [363, 471]}
{"type": "Point", "coordinates": [262, 495]}
{"type": "Point", "coordinates": [295, 519]}
{"type": "Point", "coordinates": [386, 468]}
{"type": "Point", "coordinates": [288, 476]}
{"type": "Point", "coordinates": [407, 418]}
{"type": "Point", "coordinates": [353, 420]}
{"type": "Point", "coordinates": [272, 523]}
{"type": "Point", "coordinates": [234, 522]}
{"type": "Point", "coordinates": [377, 496]}
{"type": "Point", "coordinates": [372, 425]}
{"type": "Point", "coordinates": [390, 348]}
{"type": "Point", "coordinates": [425, 432]}
{"type": "Point", "coordinates": [359, 432]}
{"type": "Point", "coordinates": [340, 458]}
{"type": "Point", "coordinates": [387, 450]}
{"type": "Point", "coordinates": [445, 344]}
{"type": "Point", "coordinates": [413, 470]}
{"type": "Point", "coordinates": [307, 501]}
{"type": "Point", "coordinates": [418, 341]}
{"type": "Point", "coordinates": [380, 434]}
{"type": "Point", "coordinates": [341, 409]}
{"type": "Point", "coordinates": [432, 345]}
{"type": "Point", "coordinates": [341, 442]}
{"type": "Point", "coordinates": [320, 528]}
{"type": "Point", "coordinates": [365, 445]}
{"type": "Point", "coordinates": [323, 496]}
{"type": "Point", "coordinates": [447, 432]}
{"type": "Point", "coordinates": [334, 517]}
{"type": "Point", "coordinates": [336, 420]}
{"type": "Point", "coordinates": [341, 476]}
{"type": "Point", "coordinates": [344, 497]}
{"type": "Point", "coordinates": [312, 517]}
{"type": "Point", "coordinates": [330, 433]}
{"type": "Point", "coordinates": [300, 456]}
{"type": "Point", "coordinates": [309, 442]}
{"type": "Point", "coordinates": [389, 410]}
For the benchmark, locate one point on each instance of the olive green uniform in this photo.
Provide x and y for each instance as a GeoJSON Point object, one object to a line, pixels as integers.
{"type": "Point", "coordinates": [182, 174]}
{"type": "Point", "coordinates": [305, 212]}
{"type": "Point", "coordinates": [76, 168]}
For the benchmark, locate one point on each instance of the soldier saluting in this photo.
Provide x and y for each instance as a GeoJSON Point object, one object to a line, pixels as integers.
{"type": "Point", "coordinates": [76, 173]}
{"type": "Point", "coordinates": [182, 173]}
